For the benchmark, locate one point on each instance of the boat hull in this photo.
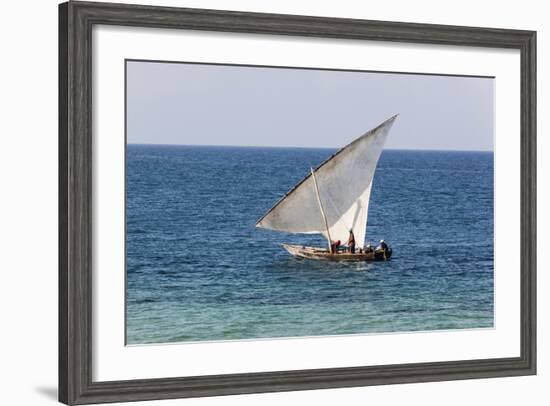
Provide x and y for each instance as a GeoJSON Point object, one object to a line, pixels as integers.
{"type": "Point", "coordinates": [301, 251]}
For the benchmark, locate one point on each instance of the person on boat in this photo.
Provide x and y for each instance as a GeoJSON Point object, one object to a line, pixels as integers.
{"type": "Point", "coordinates": [351, 242]}
{"type": "Point", "coordinates": [382, 246]}
{"type": "Point", "coordinates": [335, 246]}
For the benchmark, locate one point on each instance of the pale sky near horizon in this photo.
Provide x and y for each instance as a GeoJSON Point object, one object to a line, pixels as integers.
{"type": "Point", "coordinates": [197, 104]}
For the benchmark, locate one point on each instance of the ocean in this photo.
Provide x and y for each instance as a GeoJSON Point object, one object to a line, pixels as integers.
{"type": "Point", "coordinates": [197, 269]}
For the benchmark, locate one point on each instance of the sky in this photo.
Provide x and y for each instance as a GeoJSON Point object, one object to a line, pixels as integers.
{"type": "Point", "coordinates": [199, 104]}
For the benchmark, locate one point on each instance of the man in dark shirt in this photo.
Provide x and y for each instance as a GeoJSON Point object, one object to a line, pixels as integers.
{"type": "Point", "coordinates": [351, 242]}
{"type": "Point", "coordinates": [382, 246]}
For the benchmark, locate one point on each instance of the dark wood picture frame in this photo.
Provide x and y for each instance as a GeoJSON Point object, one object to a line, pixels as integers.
{"type": "Point", "coordinates": [76, 20]}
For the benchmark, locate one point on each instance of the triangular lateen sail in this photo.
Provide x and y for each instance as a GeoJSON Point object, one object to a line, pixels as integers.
{"type": "Point", "coordinates": [344, 182]}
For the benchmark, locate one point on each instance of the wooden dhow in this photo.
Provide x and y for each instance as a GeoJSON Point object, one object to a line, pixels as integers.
{"type": "Point", "coordinates": [332, 200]}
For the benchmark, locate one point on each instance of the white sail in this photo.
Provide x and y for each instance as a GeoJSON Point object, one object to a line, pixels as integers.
{"type": "Point", "coordinates": [344, 182]}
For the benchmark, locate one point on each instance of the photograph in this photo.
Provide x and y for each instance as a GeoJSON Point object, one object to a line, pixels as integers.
{"type": "Point", "coordinates": [267, 202]}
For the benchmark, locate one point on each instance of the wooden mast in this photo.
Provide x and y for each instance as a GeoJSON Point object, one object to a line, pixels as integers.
{"type": "Point", "coordinates": [322, 211]}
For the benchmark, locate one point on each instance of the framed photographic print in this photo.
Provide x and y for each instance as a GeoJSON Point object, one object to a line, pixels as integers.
{"type": "Point", "coordinates": [258, 202]}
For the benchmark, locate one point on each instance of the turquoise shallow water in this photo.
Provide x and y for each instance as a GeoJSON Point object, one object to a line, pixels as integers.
{"type": "Point", "coordinates": [197, 269]}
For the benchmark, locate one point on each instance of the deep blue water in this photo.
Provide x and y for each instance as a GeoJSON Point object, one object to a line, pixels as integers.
{"type": "Point", "coordinates": [198, 269]}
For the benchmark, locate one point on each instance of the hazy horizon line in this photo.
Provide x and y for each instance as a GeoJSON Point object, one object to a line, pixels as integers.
{"type": "Point", "coordinates": [301, 147]}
